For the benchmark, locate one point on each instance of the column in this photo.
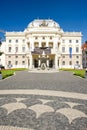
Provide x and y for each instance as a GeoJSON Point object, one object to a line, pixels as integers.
{"type": "Point", "coordinates": [39, 63]}
{"type": "Point", "coordinates": [47, 61]}
{"type": "Point", "coordinates": [56, 62]}
{"type": "Point", "coordinates": [47, 43]}
{"type": "Point", "coordinates": [40, 44]}
{"type": "Point", "coordinates": [31, 44]}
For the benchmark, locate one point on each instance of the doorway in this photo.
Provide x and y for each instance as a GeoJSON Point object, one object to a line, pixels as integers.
{"type": "Point", "coordinates": [35, 63]}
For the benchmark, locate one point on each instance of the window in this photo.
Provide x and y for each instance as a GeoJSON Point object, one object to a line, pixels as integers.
{"type": "Point", "coordinates": [77, 49]}
{"type": "Point", "coordinates": [70, 62]}
{"type": "Point", "coordinates": [36, 37]}
{"type": "Point", "coordinates": [23, 49]}
{"type": "Point", "coordinates": [16, 56]}
{"type": "Point", "coordinates": [16, 62]}
{"type": "Point", "coordinates": [43, 37]}
{"type": "Point", "coordinates": [63, 41]}
{"type": "Point", "coordinates": [83, 59]}
{"type": "Point", "coordinates": [9, 49]}
{"type": "Point", "coordinates": [63, 63]}
{"type": "Point", "coordinates": [77, 41]}
{"type": "Point", "coordinates": [50, 37]}
{"type": "Point", "coordinates": [43, 44]}
{"type": "Point", "coordinates": [36, 44]}
{"type": "Point", "coordinates": [77, 62]}
{"type": "Point", "coordinates": [9, 56]}
{"type": "Point", "coordinates": [16, 49]}
{"type": "Point", "coordinates": [63, 56]}
{"type": "Point", "coordinates": [9, 62]}
{"type": "Point", "coordinates": [77, 57]}
{"type": "Point", "coordinates": [70, 41]}
{"type": "Point", "coordinates": [23, 40]}
{"type": "Point", "coordinates": [63, 49]}
{"type": "Point", "coordinates": [16, 40]}
{"type": "Point", "coordinates": [51, 44]}
{"type": "Point", "coordinates": [23, 56]}
{"type": "Point", "coordinates": [9, 40]}
{"type": "Point", "coordinates": [23, 62]}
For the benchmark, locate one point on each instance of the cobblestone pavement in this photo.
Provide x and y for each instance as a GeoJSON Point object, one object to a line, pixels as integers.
{"type": "Point", "coordinates": [59, 106]}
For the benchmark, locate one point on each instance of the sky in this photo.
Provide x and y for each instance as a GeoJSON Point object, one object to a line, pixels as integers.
{"type": "Point", "coordinates": [71, 15]}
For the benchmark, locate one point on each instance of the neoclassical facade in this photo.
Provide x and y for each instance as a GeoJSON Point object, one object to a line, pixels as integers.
{"type": "Point", "coordinates": [43, 44]}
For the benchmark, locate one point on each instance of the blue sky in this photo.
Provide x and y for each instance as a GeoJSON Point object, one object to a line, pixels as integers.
{"type": "Point", "coordinates": [71, 15]}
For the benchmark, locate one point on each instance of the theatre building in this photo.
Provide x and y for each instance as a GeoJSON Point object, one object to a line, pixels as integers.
{"type": "Point", "coordinates": [42, 45]}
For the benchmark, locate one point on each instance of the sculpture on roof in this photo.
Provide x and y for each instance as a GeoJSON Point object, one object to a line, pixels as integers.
{"type": "Point", "coordinates": [43, 24]}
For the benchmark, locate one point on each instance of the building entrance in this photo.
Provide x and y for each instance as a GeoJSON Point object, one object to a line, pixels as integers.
{"type": "Point", "coordinates": [42, 58]}
{"type": "Point", "coordinates": [35, 63]}
{"type": "Point", "coordinates": [51, 63]}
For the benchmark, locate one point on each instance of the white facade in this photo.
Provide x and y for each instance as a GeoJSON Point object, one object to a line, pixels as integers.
{"type": "Point", "coordinates": [42, 42]}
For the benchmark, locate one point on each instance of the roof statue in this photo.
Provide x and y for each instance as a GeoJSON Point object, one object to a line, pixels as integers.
{"type": "Point", "coordinates": [43, 23]}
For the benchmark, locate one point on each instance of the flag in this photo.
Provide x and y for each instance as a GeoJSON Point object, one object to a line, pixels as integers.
{"type": "Point", "coordinates": [70, 52]}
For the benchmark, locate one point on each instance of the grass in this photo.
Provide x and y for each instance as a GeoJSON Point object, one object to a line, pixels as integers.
{"type": "Point", "coordinates": [9, 72]}
{"type": "Point", "coordinates": [77, 72]}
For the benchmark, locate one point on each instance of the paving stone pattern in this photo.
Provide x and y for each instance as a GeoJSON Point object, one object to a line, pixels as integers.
{"type": "Point", "coordinates": [42, 113]}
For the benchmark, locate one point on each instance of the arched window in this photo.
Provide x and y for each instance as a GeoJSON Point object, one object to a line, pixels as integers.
{"type": "Point", "coordinates": [9, 48]}
{"type": "Point", "coordinates": [77, 49]}
{"type": "Point", "coordinates": [63, 62]}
